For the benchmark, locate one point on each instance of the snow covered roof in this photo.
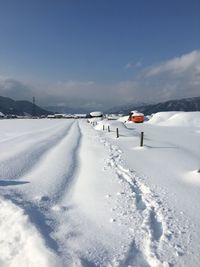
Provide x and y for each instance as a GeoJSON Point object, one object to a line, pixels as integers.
{"type": "Point", "coordinates": [50, 116]}
{"type": "Point", "coordinates": [1, 114]}
{"type": "Point", "coordinates": [96, 114]}
{"type": "Point", "coordinates": [136, 113]}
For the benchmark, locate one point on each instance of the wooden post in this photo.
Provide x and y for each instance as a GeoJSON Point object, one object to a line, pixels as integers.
{"type": "Point", "coordinates": [117, 132]}
{"type": "Point", "coordinates": [103, 127]}
{"type": "Point", "coordinates": [108, 128]}
{"type": "Point", "coordinates": [141, 138]}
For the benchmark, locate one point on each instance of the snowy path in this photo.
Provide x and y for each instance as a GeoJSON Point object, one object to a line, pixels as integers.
{"type": "Point", "coordinates": [69, 187]}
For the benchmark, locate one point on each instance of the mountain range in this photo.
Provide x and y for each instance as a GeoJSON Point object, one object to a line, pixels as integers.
{"type": "Point", "coordinates": [22, 107]}
{"type": "Point", "coordinates": [185, 104]}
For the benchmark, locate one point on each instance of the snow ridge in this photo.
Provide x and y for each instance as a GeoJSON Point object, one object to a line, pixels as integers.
{"type": "Point", "coordinates": [20, 242]}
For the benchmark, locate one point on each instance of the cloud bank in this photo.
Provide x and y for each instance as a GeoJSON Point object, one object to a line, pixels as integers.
{"type": "Point", "coordinates": [175, 78]}
{"type": "Point", "coordinates": [184, 64]}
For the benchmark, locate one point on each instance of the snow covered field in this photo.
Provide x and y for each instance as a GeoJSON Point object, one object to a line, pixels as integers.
{"type": "Point", "coordinates": [74, 195]}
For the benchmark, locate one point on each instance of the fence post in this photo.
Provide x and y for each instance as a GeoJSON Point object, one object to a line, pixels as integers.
{"type": "Point", "coordinates": [141, 138]}
{"type": "Point", "coordinates": [117, 132]}
{"type": "Point", "coordinates": [108, 128]}
{"type": "Point", "coordinates": [103, 127]}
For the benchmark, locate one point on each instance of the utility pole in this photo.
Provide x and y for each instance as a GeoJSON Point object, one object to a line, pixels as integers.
{"type": "Point", "coordinates": [34, 109]}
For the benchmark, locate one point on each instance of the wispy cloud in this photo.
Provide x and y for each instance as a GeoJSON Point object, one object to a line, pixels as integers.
{"type": "Point", "coordinates": [132, 65]}
{"type": "Point", "coordinates": [129, 65]}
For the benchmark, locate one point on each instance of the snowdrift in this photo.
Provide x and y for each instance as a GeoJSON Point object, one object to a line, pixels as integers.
{"type": "Point", "coordinates": [176, 118]}
{"type": "Point", "coordinates": [20, 242]}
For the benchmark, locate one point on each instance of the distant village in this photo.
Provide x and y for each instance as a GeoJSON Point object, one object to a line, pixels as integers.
{"type": "Point", "coordinates": [133, 116]}
{"type": "Point", "coordinates": [52, 116]}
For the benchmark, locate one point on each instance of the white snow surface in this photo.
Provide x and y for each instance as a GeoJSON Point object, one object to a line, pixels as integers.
{"type": "Point", "coordinates": [173, 118]}
{"type": "Point", "coordinates": [20, 242]}
{"type": "Point", "coordinates": [72, 194]}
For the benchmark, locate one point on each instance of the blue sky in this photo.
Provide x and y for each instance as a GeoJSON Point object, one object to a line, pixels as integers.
{"type": "Point", "coordinates": [98, 52]}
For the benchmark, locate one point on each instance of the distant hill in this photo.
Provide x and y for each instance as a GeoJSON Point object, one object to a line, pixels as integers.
{"type": "Point", "coordinates": [185, 104]}
{"type": "Point", "coordinates": [22, 107]}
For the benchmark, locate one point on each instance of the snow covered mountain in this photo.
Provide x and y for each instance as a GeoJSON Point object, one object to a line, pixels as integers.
{"type": "Point", "coordinates": [185, 104]}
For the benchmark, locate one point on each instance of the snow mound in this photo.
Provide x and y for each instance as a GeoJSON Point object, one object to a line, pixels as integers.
{"type": "Point", "coordinates": [175, 118]}
{"type": "Point", "coordinates": [123, 119]}
{"type": "Point", "coordinates": [20, 243]}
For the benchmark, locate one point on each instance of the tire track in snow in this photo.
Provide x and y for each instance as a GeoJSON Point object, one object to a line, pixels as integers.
{"type": "Point", "coordinates": [59, 208]}
{"type": "Point", "coordinates": [153, 226]}
{"type": "Point", "coordinates": [17, 164]}
{"type": "Point", "coordinates": [51, 180]}
{"type": "Point", "coordinates": [18, 138]}
{"type": "Point", "coordinates": [72, 144]}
